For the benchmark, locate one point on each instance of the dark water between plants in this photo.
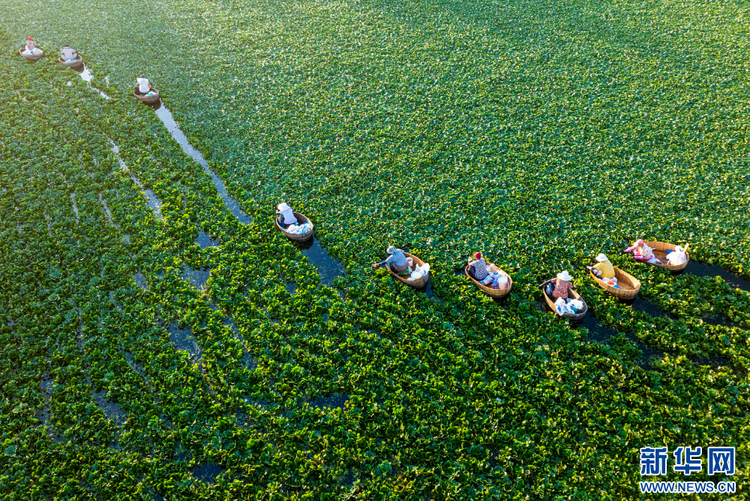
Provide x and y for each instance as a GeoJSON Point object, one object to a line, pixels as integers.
{"type": "Point", "coordinates": [140, 280]}
{"type": "Point", "coordinates": [184, 340]}
{"type": "Point", "coordinates": [335, 401]}
{"type": "Point", "coordinates": [602, 334]}
{"type": "Point", "coordinates": [207, 472]}
{"type": "Point", "coordinates": [111, 409]}
{"type": "Point", "coordinates": [204, 240]}
{"type": "Point", "coordinates": [701, 269]}
{"type": "Point", "coordinates": [328, 268]}
{"type": "Point", "coordinates": [166, 117]}
{"type": "Point", "coordinates": [196, 278]}
{"type": "Point", "coordinates": [247, 358]}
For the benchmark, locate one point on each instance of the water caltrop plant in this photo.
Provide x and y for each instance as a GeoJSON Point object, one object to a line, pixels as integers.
{"type": "Point", "coordinates": [155, 346]}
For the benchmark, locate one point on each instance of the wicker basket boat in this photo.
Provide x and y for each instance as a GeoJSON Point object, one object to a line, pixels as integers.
{"type": "Point", "coordinates": [30, 57]}
{"type": "Point", "coordinates": [660, 251]}
{"type": "Point", "coordinates": [495, 293]}
{"type": "Point", "coordinates": [575, 295]}
{"type": "Point", "coordinates": [71, 64]}
{"type": "Point", "coordinates": [299, 238]}
{"type": "Point", "coordinates": [628, 284]}
{"type": "Point", "coordinates": [148, 99]}
{"type": "Point", "coordinates": [417, 284]}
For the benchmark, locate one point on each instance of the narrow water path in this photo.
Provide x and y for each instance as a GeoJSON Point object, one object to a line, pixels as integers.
{"type": "Point", "coordinates": [602, 334]}
{"type": "Point", "coordinates": [87, 76]}
{"type": "Point", "coordinates": [152, 201]}
{"type": "Point", "coordinates": [701, 269]}
{"type": "Point", "coordinates": [328, 267]}
{"type": "Point", "coordinates": [166, 117]}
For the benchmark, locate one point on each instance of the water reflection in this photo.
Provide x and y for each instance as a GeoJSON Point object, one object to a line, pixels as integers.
{"type": "Point", "coordinates": [335, 401]}
{"type": "Point", "coordinates": [196, 278]}
{"type": "Point", "coordinates": [87, 76]}
{"type": "Point", "coordinates": [601, 334]}
{"type": "Point", "coordinates": [152, 201]}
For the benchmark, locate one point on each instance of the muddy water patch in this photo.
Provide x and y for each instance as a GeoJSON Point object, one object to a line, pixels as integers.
{"type": "Point", "coordinates": [234, 207]}
{"type": "Point", "coordinates": [701, 269]}
{"type": "Point", "coordinates": [328, 268]}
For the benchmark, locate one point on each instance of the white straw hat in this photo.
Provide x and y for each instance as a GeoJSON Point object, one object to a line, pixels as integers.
{"type": "Point", "coordinates": [601, 257]}
{"type": "Point", "coordinates": [564, 275]}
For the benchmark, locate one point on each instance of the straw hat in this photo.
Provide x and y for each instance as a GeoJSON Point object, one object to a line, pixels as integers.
{"type": "Point", "coordinates": [678, 249]}
{"type": "Point", "coordinates": [639, 242]}
{"type": "Point", "coordinates": [564, 275]}
{"type": "Point", "coordinates": [283, 206]}
{"type": "Point", "coordinates": [391, 249]}
{"type": "Point", "coordinates": [601, 257]}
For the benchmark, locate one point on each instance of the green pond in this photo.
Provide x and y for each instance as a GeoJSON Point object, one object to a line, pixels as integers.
{"type": "Point", "coordinates": [161, 339]}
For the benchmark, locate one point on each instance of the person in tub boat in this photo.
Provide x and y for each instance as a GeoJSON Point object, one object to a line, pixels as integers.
{"type": "Point", "coordinates": [642, 252]}
{"type": "Point", "coordinates": [677, 256]}
{"type": "Point", "coordinates": [397, 261]}
{"type": "Point", "coordinates": [286, 215]}
{"type": "Point", "coordinates": [67, 54]}
{"type": "Point", "coordinates": [143, 86]}
{"type": "Point", "coordinates": [31, 48]}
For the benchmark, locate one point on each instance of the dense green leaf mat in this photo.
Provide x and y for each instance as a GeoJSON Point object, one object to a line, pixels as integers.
{"type": "Point", "coordinates": [540, 133]}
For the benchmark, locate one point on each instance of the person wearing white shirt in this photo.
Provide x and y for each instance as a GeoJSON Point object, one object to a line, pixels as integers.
{"type": "Point", "coordinates": [286, 215]}
{"type": "Point", "coordinates": [143, 86]}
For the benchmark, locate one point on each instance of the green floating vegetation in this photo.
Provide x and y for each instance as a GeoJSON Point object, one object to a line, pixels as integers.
{"type": "Point", "coordinates": [188, 355]}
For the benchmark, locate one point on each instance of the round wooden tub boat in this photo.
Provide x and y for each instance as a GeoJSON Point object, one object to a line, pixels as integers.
{"type": "Point", "coordinates": [494, 293]}
{"type": "Point", "coordinates": [575, 295]}
{"type": "Point", "coordinates": [292, 236]}
{"type": "Point", "coordinates": [628, 284]}
{"type": "Point", "coordinates": [71, 64]}
{"type": "Point", "coordinates": [660, 251]}
{"type": "Point", "coordinates": [417, 284]}
{"type": "Point", "coordinates": [148, 99]}
{"type": "Point", "coordinates": [30, 57]}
